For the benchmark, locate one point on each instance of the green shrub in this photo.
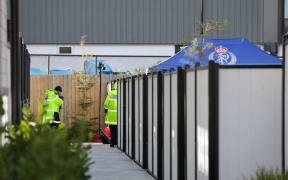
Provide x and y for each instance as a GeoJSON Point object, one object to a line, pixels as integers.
{"type": "Point", "coordinates": [270, 174]}
{"type": "Point", "coordinates": [37, 151]}
{"type": "Point", "coordinates": [1, 107]}
{"type": "Point", "coordinates": [80, 129]}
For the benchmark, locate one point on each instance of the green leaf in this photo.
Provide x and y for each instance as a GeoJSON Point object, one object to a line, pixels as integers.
{"type": "Point", "coordinates": [2, 111]}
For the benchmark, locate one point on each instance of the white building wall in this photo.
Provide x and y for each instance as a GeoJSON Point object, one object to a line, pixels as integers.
{"type": "Point", "coordinates": [105, 49]}
{"type": "Point", "coordinates": [121, 57]}
{"type": "Point", "coordinates": [4, 66]}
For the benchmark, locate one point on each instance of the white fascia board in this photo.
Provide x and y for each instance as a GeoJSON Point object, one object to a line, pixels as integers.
{"type": "Point", "coordinates": [42, 49]}
{"type": "Point", "coordinates": [104, 49]}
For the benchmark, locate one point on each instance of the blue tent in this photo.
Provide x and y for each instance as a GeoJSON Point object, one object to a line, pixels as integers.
{"type": "Point", "coordinates": [36, 71]}
{"type": "Point", "coordinates": [90, 66]}
{"type": "Point", "coordinates": [237, 51]}
{"type": "Point", "coordinates": [60, 71]}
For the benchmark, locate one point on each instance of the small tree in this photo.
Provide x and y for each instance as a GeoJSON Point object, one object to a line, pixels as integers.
{"type": "Point", "coordinates": [84, 82]}
{"type": "Point", "coordinates": [200, 45]}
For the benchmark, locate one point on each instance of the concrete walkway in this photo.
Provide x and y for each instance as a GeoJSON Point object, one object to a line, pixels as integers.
{"type": "Point", "coordinates": [112, 164]}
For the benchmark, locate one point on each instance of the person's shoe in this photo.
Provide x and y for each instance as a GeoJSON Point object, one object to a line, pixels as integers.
{"type": "Point", "coordinates": [111, 145]}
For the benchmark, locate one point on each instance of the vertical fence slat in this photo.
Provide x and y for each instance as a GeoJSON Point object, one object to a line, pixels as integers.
{"type": "Point", "coordinates": [213, 122]}
{"type": "Point", "coordinates": [160, 129]}
{"type": "Point", "coordinates": [137, 143]}
{"type": "Point", "coordinates": [133, 116]}
{"type": "Point", "coordinates": [190, 128]}
{"type": "Point", "coordinates": [202, 124]}
{"type": "Point", "coordinates": [121, 115]}
{"type": "Point", "coordinates": [167, 133]}
{"type": "Point", "coordinates": [155, 125]}
{"type": "Point", "coordinates": [118, 113]}
{"type": "Point", "coordinates": [145, 123]}
{"type": "Point", "coordinates": [181, 126]}
{"type": "Point", "coordinates": [174, 125]}
{"type": "Point", "coordinates": [127, 114]}
{"type": "Point", "coordinates": [131, 127]}
{"type": "Point", "coordinates": [150, 125]}
{"type": "Point", "coordinates": [141, 119]}
{"type": "Point", "coordinates": [124, 120]}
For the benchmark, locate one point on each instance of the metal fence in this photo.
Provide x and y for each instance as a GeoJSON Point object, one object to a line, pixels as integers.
{"type": "Point", "coordinates": [213, 122]}
{"type": "Point", "coordinates": [20, 80]}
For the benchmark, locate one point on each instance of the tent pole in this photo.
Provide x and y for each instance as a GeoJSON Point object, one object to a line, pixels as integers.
{"type": "Point", "coordinates": [100, 68]}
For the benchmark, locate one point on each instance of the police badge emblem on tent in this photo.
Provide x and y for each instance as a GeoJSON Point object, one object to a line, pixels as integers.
{"type": "Point", "coordinates": [222, 56]}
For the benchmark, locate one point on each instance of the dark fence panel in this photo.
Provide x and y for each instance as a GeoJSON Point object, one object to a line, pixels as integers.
{"type": "Point", "coordinates": [141, 121]}
{"type": "Point", "coordinates": [25, 74]}
{"type": "Point", "coordinates": [119, 113]}
{"type": "Point", "coordinates": [133, 102]}
{"type": "Point", "coordinates": [145, 123]}
{"type": "Point", "coordinates": [15, 64]}
{"type": "Point", "coordinates": [160, 128]}
{"type": "Point", "coordinates": [20, 78]}
{"type": "Point", "coordinates": [127, 124]}
{"type": "Point", "coordinates": [181, 125]}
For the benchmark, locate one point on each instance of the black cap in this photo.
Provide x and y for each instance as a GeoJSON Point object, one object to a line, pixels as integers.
{"type": "Point", "coordinates": [58, 88]}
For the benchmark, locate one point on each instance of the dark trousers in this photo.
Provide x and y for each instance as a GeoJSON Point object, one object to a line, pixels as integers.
{"type": "Point", "coordinates": [54, 125]}
{"type": "Point", "coordinates": [113, 134]}
{"type": "Point", "coordinates": [56, 118]}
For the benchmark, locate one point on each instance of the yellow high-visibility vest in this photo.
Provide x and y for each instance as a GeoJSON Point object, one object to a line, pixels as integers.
{"type": "Point", "coordinates": [111, 105]}
{"type": "Point", "coordinates": [52, 105]}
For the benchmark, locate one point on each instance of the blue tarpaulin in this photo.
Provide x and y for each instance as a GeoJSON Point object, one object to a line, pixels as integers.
{"type": "Point", "coordinates": [90, 66]}
{"type": "Point", "coordinates": [237, 51]}
{"type": "Point", "coordinates": [60, 71]}
{"type": "Point", "coordinates": [36, 71]}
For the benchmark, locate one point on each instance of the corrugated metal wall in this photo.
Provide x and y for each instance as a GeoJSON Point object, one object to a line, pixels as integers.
{"type": "Point", "coordinates": [257, 20]}
{"type": "Point", "coordinates": [245, 18]}
{"type": "Point", "coordinates": [141, 21]}
{"type": "Point", "coordinates": [108, 21]}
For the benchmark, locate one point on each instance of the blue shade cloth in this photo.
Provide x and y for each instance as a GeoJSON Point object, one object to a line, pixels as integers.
{"type": "Point", "coordinates": [90, 66]}
{"type": "Point", "coordinates": [60, 71]}
{"type": "Point", "coordinates": [36, 71]}
{"type": "Point", "coordinates": [237, 51]}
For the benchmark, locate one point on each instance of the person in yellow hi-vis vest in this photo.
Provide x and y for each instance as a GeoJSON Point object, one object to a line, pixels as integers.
{"type": "Point", "coordinates": [52, 107]}
{"type": "Point", "coordinates": [111, 116]}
